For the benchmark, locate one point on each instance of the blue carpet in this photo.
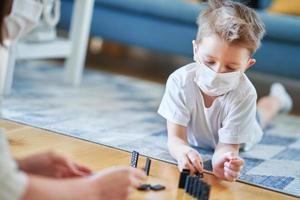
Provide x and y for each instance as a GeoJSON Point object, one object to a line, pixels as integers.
{"type": "Point", "coordinates": [121, 112]}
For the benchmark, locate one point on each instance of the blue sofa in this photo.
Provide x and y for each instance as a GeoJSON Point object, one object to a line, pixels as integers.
{"type": "Point", "coordinates": [169, 26]}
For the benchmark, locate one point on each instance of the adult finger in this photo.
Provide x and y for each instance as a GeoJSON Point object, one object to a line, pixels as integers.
{"type": "Point", "coordinates": [134, 182]}
{"type": "Point", "coordinates": [137, 173]}
{"type": "Point", "coordinates": [71, 167]}
{"type": "Point", "coordinates": [83, 169]}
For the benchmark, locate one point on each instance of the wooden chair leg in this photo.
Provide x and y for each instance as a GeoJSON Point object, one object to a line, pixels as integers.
{"type": "Point", "coordinates": [7, 69]}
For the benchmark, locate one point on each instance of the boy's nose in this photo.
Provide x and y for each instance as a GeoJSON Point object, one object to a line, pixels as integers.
{"type": "Point", "coordinates": [218, 68]}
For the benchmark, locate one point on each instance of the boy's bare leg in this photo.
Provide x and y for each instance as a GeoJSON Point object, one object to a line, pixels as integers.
{"type": "Point", "coordinates": [277, 101]}
{"type": "Point", "coordinates": [268, 107]}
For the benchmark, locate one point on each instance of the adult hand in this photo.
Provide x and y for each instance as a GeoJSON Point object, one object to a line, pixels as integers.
{"type": "Point", "coordinates": [116, 183]}
{"type": "Point", "coordinates": [52, 165]}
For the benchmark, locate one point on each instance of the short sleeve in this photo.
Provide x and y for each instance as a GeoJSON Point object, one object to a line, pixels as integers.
{"type": "Point", "coordinates": [173, 105]}
{"type": "Point", "coordinates": [13, 182]}
{"type": "Point", "coordinates": [25, 15]}
{"type": "Point", "coordinates": [238, 125]}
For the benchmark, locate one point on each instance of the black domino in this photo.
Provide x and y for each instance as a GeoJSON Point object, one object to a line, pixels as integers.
{"type": "Point", "coordinates": [134, 159]}
{"type": "Point", "coordinates": [187, 183]}
{"type": "Point", "coordinates": [183, 178]}
{"type": "Point", "coordinates": [157, 187]}
{"type": "Point", "coordinates": [199, 189]}
{"type": "Point", "coordinates": [205, 192]}
{"type": "Point", "coordinates": [147, 166]}
{"type": "Point", "coordinates": [144, 187]}
{"type": "Point", "coordinates": [195, 187]}
{"type": "Point", "coordinates": [191, 184]}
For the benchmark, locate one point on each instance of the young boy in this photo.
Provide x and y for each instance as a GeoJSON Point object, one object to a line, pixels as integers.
{"type": "Point", "coordinates": [211, 103]}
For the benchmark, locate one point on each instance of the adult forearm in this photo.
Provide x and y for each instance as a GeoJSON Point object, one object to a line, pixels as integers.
{"type": "Point", "coordinates": [58, 189]}
{"type": "Point", "coordinates": [22, 165]}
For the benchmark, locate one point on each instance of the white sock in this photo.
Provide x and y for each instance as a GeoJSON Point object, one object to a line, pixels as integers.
{"type": "Point", "coordinates": [279, 91]}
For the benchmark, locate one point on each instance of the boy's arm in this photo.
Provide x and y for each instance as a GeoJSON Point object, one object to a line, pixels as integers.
{"type": "Point", "coordinates": [179, 148]}
{"type": "Point", "coordinates": [226, 162]}
{"type": "Point", "coordinates": [223, 148]}
{"type": "Point", "coordinates": [177, 139]}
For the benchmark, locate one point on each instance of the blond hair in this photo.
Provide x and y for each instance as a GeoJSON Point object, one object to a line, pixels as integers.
{"type": "Point", "coordinates": [233, 22]}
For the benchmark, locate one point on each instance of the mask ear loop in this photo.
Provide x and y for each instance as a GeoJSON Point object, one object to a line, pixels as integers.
{"type": "Point", "coordinates": [194, 44]}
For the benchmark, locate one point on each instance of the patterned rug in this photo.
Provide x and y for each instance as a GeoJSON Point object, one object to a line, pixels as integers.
{"type": "Point", "coordinates": [120, 112]}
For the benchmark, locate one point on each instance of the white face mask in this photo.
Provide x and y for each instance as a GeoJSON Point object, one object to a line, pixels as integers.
{"type": "Point", "coordinates": [24, 17]}
{"type": "Point", "coordinates": [216, 84]}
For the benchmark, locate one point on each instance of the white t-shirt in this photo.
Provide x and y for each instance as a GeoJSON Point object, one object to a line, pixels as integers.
{"type": "Point", "coordinates": [13, 182]}
{"type": "Point", "coordinates": [25, 15]}
{"type": "Point", "coordinates": [231, 119]}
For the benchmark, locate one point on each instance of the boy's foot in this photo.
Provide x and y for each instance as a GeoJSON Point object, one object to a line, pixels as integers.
{"type": "Point", "coordinates": [279, 91]}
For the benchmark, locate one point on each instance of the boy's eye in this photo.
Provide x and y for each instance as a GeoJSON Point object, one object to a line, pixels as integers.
{"type": "Point", "coordinates": [230, 68]}
{"type": "Point", "coordinates": [209, 62]}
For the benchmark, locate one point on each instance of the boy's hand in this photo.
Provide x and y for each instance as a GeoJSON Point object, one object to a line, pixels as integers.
{"type": "Point", "coordinates": [190, 159]}
{"type": "Point", "coordinates": [53, 165]}
{"type": "Point", "coordinates": [228, 166]}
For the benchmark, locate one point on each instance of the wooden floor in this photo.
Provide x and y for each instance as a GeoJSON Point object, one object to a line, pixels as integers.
{"type": "Point", "coordinates": [25, 140]}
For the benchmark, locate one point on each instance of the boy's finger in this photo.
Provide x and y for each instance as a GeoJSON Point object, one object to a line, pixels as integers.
{"type": "Point", "coordinates": [230, 156]}
{"type": "Point", "coordinates": [186, 164]}
{"type": "Point", "coordinates": [196, 162]}
{"type": "Point", "coordinates": [238, 162]}
{"type": "Point", "coordinates": [198, 166]}
{"type": "Point", "coordinates": [229, 177]}
{"type": "Point", "coordinates": [232, 173]}
{"type": "Point", "coordinates": [233, 167]}
{"type": "Point", "coordinates": [190, 167]}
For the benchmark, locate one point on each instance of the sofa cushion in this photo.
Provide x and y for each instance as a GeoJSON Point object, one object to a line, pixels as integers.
{"type": "Point", "coordinates": [279, 27]}
{"type": "Point", "coordinates": [282, 27]}
{"type": "Point", "coordinates": [179, 10]}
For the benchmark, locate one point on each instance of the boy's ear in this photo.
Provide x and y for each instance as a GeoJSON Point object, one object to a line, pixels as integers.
{"type": "Point", "coordinates": [250, 63]}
